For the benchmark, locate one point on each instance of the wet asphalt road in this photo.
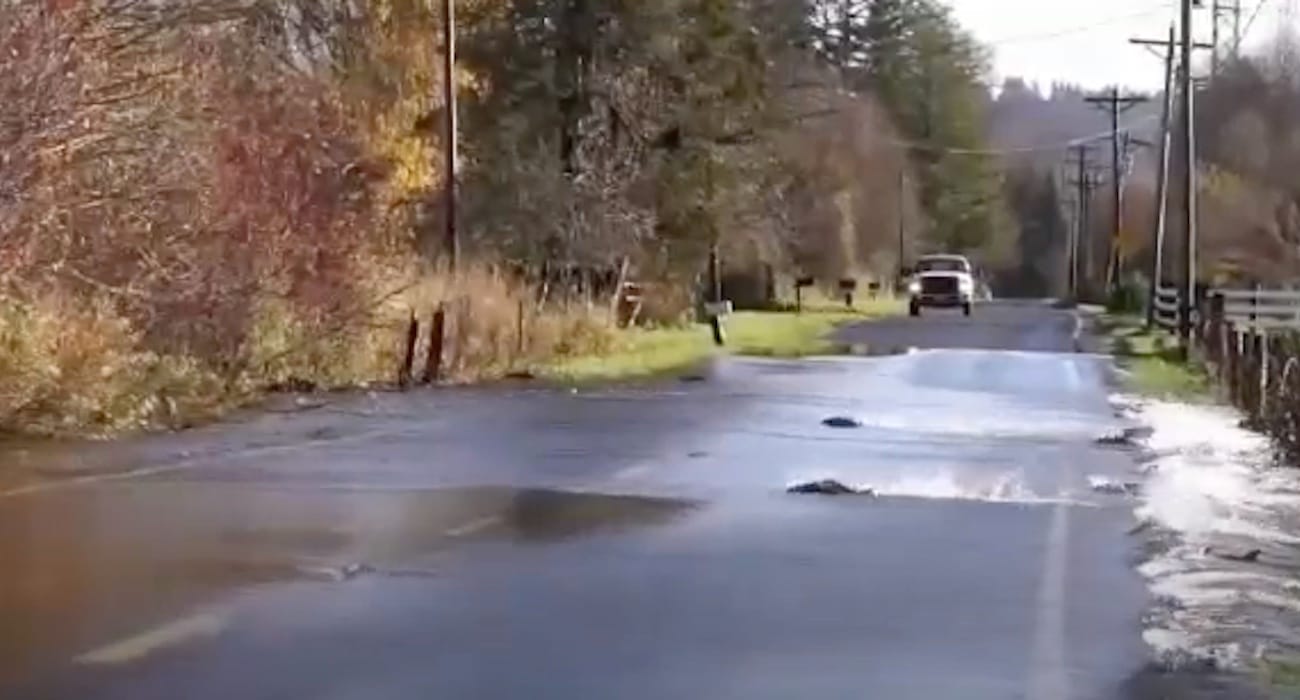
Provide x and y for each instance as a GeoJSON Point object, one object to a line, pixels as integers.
{"type": "Point", "coordinates": [629, 543]}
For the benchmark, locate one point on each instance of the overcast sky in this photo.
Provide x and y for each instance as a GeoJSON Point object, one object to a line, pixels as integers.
{"type": "Point", "coordinates": [1086, 41]}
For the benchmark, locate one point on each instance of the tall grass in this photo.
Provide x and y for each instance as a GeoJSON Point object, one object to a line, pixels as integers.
{"type": "Point", "coordinates": [495, 325]}
{"type": "Point", "coordinates": [72, 366]}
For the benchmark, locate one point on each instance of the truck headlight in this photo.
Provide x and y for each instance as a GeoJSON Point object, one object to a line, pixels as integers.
{"type": "Point", "coordinates": [914, 287]}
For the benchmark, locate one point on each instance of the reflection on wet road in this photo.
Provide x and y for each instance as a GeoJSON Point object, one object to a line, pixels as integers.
{"type": "Point", "coordinates": [632, 543]}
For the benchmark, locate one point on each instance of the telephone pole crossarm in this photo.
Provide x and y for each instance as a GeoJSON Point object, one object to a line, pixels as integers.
{"type": "Point", "coordinates": [1204, 45]}
{"type": "Point", "coordinates": [1115, 104]}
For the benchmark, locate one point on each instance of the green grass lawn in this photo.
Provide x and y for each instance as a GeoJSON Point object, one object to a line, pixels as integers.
{"type": "Point", "coordinates": [1282, 677]}
{"type": "Point", "coordinates": [640, 353]}
{"type": "Point", "coordinates": [1153, 360]}
{"type": "Point", "coordinates": [643, 353]}
{"type": "Point", "coordinates": [786, 334]}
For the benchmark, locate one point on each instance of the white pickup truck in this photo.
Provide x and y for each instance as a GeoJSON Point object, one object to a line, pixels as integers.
{"type": "Point", "coordinates": [941, 281]}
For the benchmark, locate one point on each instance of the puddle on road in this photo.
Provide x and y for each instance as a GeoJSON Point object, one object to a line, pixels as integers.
{"type": "Point", "coordinates": [85, 565]}
{"type": "Point", "coordinates": [549, 515]}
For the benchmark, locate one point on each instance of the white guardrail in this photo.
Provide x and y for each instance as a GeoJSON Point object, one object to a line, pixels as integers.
{"type": "Point", "coordinates": [1261, 309]}
{"type": "Point", "coordinates": [1246, 310]}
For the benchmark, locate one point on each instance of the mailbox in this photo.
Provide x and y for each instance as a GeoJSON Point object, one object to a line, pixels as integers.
{"type": "Point", "coordinates": [848, 287]}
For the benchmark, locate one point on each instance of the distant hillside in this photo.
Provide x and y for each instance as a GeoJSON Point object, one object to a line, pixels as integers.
{"type": "Point", "coordinates": [1023, 116]}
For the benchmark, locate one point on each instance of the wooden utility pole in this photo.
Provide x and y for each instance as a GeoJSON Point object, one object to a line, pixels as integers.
{"type": "Point", "coordinates": [1187, 146]}
{"type": "Point", "coordinates": [902, 220]}
{"type": "Point", "coordinates": [1115, 104]}
{"type": "Point", "coordinates": [1162, 181]}
{"type": "Point", "coordinates": [450, 132]}
{"type": "Point", "coordinates": [715, 258]}
{"type": "Point", "coordinates": [1084, 182]}
{"type": "Point", "coordinates": [1068, 213]}
{"type": "Point", "coordinates": [1227, 19]}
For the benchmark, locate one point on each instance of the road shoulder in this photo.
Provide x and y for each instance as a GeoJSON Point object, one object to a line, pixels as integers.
{"type": "Point", "coordinates": [1150, 361]}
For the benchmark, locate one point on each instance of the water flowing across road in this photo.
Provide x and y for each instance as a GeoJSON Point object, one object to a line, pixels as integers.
{"type": "Point", "coordinates": [630, 542]}
{"type": "Point", "coordinates": [1223, 543]}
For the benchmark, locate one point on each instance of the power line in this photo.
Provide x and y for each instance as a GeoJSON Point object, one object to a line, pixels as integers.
{"type": "Point", "coordinates": [1041, 148]}
{"type": "Point", "coordinates": [1052, 34]}
{"type": "Point", "coordinates": [1225, 15]}
{"type": "Point", "coordinates": [1259, 6]}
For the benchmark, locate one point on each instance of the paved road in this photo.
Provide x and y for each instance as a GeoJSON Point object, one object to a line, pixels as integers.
{"type": "Point", "coordinates": [1007, 325]}
{"type": "Point", "coordinates": [630, 543]}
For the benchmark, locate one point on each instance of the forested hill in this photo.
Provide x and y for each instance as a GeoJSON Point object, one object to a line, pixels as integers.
{"type": "Point", "coordinates": [1024, 115]}
{"type": "Point", "coordinates": [210, 186]}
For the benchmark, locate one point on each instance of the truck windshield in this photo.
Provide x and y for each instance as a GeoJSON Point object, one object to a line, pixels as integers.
{"type": "Point", "coordinates": [941, 265]}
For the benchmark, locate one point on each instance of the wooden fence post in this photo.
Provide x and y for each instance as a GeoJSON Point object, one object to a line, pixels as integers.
{"type": "Point", "coordinates": [1222, 367]}
{"type": "Point", "coordinates": [1238, 376]}
{"type": "Point", "coordinates": [1264, 352]}
{"type": "Point", "coordinates": [437, 336]}
{"type": "Point", "coordinates": [1214, 344]}
{"type": "Point", "coordinates": [408, 357]}
{"type": "Point", "coordinates": [521, 345]}
{"type": "Point", "coordinates": [616, 299]}
{"type": "Point", "coordinates": [1230, 360]}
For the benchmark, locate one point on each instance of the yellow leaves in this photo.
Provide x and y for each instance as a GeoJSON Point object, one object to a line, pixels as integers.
{"type": "Point", "coordinates": [395, 83]}
{"type": "Point", "coordinates": [409, 153]}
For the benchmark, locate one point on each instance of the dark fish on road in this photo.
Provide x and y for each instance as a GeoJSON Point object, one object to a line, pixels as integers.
{"type": "Point", "coordinates": [1117, 488]}
{"type": "Point", "coordinates": [829, 487]}
{"type": "Point", "coordinates": [1128, 437]}
{"type": "Point", "coordinates": [1248, 557]}
{"type": "Point", "coordinates": [842, 422]}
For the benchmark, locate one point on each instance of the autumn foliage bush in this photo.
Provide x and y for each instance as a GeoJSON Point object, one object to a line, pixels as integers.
{"type": "Point", "coordinates": [187, 218]}
{"type": "Point", "coordinates": [67, 367]}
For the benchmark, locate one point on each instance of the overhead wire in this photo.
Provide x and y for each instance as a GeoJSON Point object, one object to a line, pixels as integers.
{"type": "Point", "coordinates": [1259, 6]}
{"type": "Point", "coordinates": [1040, 148]}
{"type": "Point", "coordinates": [1056, 146]}
{"type": "Point", "coordinates": [1079, 29]}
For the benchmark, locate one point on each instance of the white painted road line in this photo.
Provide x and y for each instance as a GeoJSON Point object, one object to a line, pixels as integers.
{"type": "Point", "coordinates": [1048, 679]}
{"type": "Point", "coordinates": [169, 635]}
{"type": "Point", "coordinates": [635, 471]}
{"type": "Point", "coordinates": [1072, 377]}
{"type": "Point", "coordinates": [474, 526]}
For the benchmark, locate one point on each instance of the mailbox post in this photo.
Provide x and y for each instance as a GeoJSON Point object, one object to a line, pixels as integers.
{"type": "Point", "coordinates": [847, 288]}
{"type": "Point", "coordinates": [799, 286]}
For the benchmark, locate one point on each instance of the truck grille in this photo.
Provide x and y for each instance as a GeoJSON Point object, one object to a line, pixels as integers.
{"type": "Point", "coordinates": [939, 285]}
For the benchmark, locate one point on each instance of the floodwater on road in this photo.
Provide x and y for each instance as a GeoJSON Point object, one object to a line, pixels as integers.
{"type": "Point", "coordinates": [623, 542]}
{"type": "Point", "coordinates": [1219, 520]}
